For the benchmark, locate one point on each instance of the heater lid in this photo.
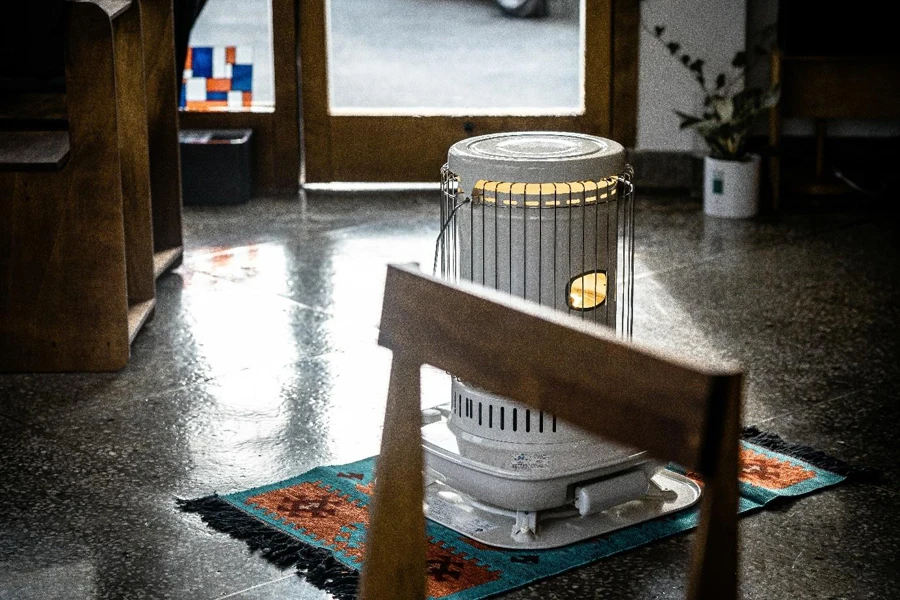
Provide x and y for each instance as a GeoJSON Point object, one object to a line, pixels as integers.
{"type": "Point", "coordinates": [534, 157]}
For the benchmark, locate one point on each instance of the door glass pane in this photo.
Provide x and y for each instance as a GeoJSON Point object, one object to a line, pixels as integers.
{"type": "Point", "coordinates": [229, 65]}
{"type": "Point", "coordinates": [455, 56]}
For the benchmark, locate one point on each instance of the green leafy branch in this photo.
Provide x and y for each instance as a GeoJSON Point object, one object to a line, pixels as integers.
{"type": "Point", "coordinates": [727, 116]}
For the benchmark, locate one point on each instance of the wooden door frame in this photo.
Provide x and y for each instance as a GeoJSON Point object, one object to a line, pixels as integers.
{"type": "Point", "coordinates": [276, 135]}
{"type": "Point", "coordinates": [363, 148]}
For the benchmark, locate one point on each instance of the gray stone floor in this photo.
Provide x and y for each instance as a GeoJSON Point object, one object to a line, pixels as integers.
{"type": "Point", "coordinates": [261, 363]}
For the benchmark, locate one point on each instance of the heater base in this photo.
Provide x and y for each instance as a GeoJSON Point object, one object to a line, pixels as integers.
{"type": "Point", "coordinates": [669, 492]}
{"type": "Point", "coordinates": [558, 502]}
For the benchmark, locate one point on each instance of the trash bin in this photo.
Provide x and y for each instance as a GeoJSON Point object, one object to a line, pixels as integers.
{"type": "Point", "coordinates": [215, 166]}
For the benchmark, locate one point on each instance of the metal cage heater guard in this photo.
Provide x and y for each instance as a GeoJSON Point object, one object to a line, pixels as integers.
{"type": "Point", "coordinates": [547, 217]}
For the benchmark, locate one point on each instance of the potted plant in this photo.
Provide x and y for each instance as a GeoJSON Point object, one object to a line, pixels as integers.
{"type": "Point", "coordinates": [731, 174]}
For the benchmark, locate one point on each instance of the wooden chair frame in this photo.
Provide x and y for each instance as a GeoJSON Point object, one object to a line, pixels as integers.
{"type": "Point", "coordinates": [580, 372]}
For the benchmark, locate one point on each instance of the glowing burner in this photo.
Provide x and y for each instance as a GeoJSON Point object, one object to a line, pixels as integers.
{"type": "Point", "coordinates": [547, 217]}
{"type": "Point", "coordinates": [587, 291]}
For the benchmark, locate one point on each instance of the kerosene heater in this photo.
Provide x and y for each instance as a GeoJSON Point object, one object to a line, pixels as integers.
{"type": "Point", "coordinates": [547, 217]}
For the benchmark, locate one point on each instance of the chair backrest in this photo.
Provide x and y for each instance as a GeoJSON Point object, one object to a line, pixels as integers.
{"type": "Point", "coordinates": [576, 370]}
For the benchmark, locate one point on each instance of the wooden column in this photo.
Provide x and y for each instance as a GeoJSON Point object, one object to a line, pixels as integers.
{"type": "Point", "coordinates": [134, 155]}
{"type": "Point", "coordinates": [162, 125]}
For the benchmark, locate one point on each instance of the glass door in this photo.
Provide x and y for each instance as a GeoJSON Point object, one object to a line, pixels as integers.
{"type": "Point", "coordinates": [240, 72]}
{"type": "Point", "coordinates": [229, 66]}
{"type": "Point", "coordinates": [389, 85]}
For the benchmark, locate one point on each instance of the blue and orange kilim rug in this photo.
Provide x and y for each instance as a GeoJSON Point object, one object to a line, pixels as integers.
{"type": "Point", "coordinates": [316, 523]}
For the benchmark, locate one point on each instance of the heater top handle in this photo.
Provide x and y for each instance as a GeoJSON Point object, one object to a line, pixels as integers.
{"type": "Point", "coordinates": [534, 157]}
{"type": "Point", "coordinates": [577, 370]}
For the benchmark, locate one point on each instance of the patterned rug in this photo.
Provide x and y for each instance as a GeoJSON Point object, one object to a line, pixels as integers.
{"type": "Point", "coordinates": [316, 523]}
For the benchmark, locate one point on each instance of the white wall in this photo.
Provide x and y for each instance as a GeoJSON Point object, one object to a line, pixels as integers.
{"type": "Point", "coordinates": [709, 29]}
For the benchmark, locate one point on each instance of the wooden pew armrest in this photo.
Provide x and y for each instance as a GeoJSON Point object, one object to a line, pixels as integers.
{"type": "Point", "coordinates": [33, 150]}
{"type": "Point", "coordinates": [112, 8]}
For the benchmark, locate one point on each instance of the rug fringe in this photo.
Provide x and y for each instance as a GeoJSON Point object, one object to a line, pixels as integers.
{"type": "Point", "coordinates": [817, 458]}
{"type": "Point", "coordinates": [316, 565]}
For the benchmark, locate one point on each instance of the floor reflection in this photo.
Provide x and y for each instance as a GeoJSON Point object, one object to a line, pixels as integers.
{"type": "Point", "coordinates": [262, 362]}
{"type": "Point", "coordinates": [249, 413]}
{"type": "Point", "coordinates": [266, 265]}
{"type": "Point", "coordinates": [359, 262]}
{"type": "Point", "coordinates": [230, 325]}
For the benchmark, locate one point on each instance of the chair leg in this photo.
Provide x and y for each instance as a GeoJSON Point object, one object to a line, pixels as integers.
{"type": "Point", "coordinates": [714, 571]}
{"type": "Point", "coordinates": [395, 559]}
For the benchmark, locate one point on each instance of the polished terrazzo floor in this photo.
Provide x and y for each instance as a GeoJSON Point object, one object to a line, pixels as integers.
{"type": "Point", "coordinates": [262, 362]}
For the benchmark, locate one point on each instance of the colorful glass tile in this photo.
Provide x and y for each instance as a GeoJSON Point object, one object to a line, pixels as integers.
{"type": "Point", "coordinates": [242, 77]}
{"type": "Point", "coordinates": [215, 79]}
{"type": "Point", "coordinates": [202, 62]}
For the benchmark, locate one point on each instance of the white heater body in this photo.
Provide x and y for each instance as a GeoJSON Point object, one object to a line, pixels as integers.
{"type": "Point", "coordinates": [535, 253]}
{"type": "Point", "coordinates": [547, 217]}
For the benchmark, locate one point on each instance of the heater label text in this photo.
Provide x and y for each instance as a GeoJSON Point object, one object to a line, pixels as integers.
{"type": "Point", "coordinates": [529, 462]}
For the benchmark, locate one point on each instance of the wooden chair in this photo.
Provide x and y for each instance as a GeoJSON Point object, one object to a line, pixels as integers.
{"type": "Point", "coordinates": [578, 371]}
{"type": "Point", "coordinates": [82, 244]}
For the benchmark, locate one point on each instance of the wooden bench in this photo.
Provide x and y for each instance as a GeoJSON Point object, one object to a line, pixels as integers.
{"type": "Point", "coordinates": [81, 243]}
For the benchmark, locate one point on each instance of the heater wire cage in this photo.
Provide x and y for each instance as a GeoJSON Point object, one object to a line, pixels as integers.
{"type": "Point", "coordinates": [595, 212]}
{"type": "Point", "coordinates": [499, 471]}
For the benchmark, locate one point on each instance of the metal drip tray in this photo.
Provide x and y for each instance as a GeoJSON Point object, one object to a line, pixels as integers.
{"type": "Point", "coordinates": [546, 505]}
{"type": "Point", "coordinates": [555, 527]}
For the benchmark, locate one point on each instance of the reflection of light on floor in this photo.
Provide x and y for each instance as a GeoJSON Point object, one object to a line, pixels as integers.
{"type": "Point", "coordinates": [664, 323]}
{"type": "Point", "coordinates": [233, 329]}
{"type": "Point", "coordinates": [266, 265]}
{"type": "Point", "coordinates": [229, 323]}
{"type": "Point", "coordinates": [269, 267]}
{"type": "Point", "coordinates": [357, 397]}
{"type": "Point", "coordinates": [359, 264]}
{"type": "Point", "coordinates": [360, 383]}
{"type": "Point", "coordinates": [435, 387]}
{"type": "Point", "coordinates": [251, 416]}
{"type": "Point", "coordinates": [357, 392]}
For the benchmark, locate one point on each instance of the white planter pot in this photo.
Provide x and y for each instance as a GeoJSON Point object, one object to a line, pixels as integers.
{"type": "Point", "coordinates": [731, 187]}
